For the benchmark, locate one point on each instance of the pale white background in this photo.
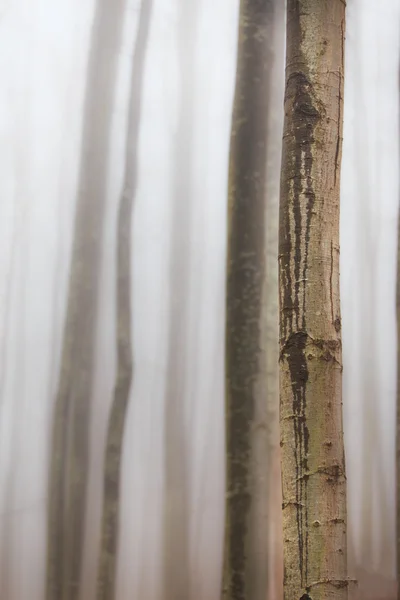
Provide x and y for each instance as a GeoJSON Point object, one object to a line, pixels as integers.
{"type": "Point", "coordinates": [43, 59]}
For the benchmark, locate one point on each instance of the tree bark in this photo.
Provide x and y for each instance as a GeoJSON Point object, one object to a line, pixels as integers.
{"type": "Point", "coordinates": [313, 466]}
{"type": "Point", "coordinates": [248, 428]}
{"type": "Point", "coordinates": [69, 454]}
{"type": "Point", "coordinates": [113, 453]}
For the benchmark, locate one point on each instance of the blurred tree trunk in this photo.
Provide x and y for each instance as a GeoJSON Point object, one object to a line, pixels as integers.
{"type": "Point", "coordinates": [367, 236]}
{"type": "Point", "coordinates": [6, 520]}
{"type": "Point", "coordinates": [248, 427]}
{"type": "Point", "coordinates": [69, 454]}
{"type": "Point", "coordinates": [114, 441]}
{"type": "Point", "coordinates": [398, 408]}
{"type": "Point", "coordinates": [176, 516]}
{"type": "Point", "coordinates": [271, 302]}
{"type": "Point", "coordinates": [313, 467]}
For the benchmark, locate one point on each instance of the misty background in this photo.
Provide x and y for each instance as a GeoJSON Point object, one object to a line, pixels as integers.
{"type": "Point", "coordinates": [178, 240]}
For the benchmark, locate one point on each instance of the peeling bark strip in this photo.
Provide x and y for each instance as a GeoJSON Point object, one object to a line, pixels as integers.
{"type": "Point", "coordinates": [113, 453]}
{"type": "Point", "coordinates": [69, 452]}
{"type": "Point", "coordinates": [313, 471]}
{"type": "Point", "coordinates": [246, 555]}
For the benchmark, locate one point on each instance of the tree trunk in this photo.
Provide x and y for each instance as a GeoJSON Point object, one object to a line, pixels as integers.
{"type": "Point", "coordinates": [113, 452]}
{"type": "Point", "coordinates": [313, 467]}
{"type": "Point", "coordinates": [274, 156]}
{"type": "Point", "coordinates": [176, 512]}
{"type": "Point", "coordinates": [69, 453]}
{"type": "Point", "coordinates": [398, 410]}
{"type": "Point", "coordinates": [248, 429]}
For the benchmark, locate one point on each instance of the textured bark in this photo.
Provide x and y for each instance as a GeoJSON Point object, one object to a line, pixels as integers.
{"type": "Point", "coordinates": [247, 424]}
{"type": "Point", "coordinates": [113, 452]}
{"type": "Point", "coordinates": [313, 467]}
{"type": "Point", "coordinates": [69, 453]}
{"type": "Point", "coordinates": [176, 508]}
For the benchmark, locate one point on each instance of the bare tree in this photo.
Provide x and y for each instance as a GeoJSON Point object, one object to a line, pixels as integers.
{"type": "Point", "coordinates": [313, 468]}
{"type": "Point", "coordinates": [176, 512]}
{"type": "Point", "coordinates": [113, 452]}
{"type": "Point", "coordinates": [248, 426]}
{"type": "Point", "coordinates": [69, 453]}
{"type": "Point", "coordinates": [398, 410]}
{"type": "Point", "coordinates": [271, 302]}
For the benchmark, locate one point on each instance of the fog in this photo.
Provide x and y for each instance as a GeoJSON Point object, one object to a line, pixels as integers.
{"type": "Point", "coordinates": [67, 131]}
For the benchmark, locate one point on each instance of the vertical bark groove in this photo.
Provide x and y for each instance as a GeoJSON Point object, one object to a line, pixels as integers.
{"type": "Point", "coordinates": [313, 470]}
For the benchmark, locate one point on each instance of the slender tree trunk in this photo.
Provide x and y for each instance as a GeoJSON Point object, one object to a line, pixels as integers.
{"type": "Point", "coordinates": [7, 521]}
{"type": "Point", "coordinates": [248, 429]}
{"type": "Point", "coordinates": [69, 454]}
{"type": "Point", "coordinates": [113, 453]}
{"type": "Point", "coordinates": [313, 467]}
{"type": "Point", "coordinates": [398, 409]}
{"type": "Point", "coordinates": [274, 156]}
{"type": "Point", "coordinates": [176, 511]}
{"type": "Point", "coordinates": [367, 243]}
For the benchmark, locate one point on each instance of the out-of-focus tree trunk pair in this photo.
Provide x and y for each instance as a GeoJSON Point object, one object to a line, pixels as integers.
{"type": "Point", "coordinates": [69, 470]}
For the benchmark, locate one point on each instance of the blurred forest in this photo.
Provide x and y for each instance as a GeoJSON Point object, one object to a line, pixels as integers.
{"type": "Point", "coordinates": [142, 174]}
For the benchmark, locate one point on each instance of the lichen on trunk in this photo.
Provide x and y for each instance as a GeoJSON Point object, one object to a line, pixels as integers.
{"type": "Point", "coordinates": [313, 468]}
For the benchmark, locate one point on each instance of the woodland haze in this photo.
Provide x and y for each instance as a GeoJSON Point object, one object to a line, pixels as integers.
{"type": "Point", "coordinates": [117, 161]}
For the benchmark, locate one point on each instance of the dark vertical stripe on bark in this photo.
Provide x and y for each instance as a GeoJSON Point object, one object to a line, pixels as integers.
{"type": "Point", "coordinates": [313, 470]}
{"type": "Point", "coordinates": [69, 456]}
{"type": "Point", "coordinates": [245, 280]}
{"type": "Point", "coordinates": [113, 453]}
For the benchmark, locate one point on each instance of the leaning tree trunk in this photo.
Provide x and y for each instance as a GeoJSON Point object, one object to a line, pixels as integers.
{"type": "Point", "coordinates": [313, 468]}
{"type": "Point", "coordinates": [106, 584]}
{"type": "Point", "coordinates": [69, 453]}
{"type": "Point", "coordinates": [247, 425]}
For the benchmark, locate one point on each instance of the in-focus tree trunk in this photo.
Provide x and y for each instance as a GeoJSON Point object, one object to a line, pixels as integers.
{"type": "Point", "coordinates": [313, 466]}
{"type": "Point", "coordinates": [176, 508]}
{"type": "Point", "coordinates": [248, 433]}
{"type": "Point", "coordinates": [113, 452]}
{"type": "Point", "coordinates": [69, 453]}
